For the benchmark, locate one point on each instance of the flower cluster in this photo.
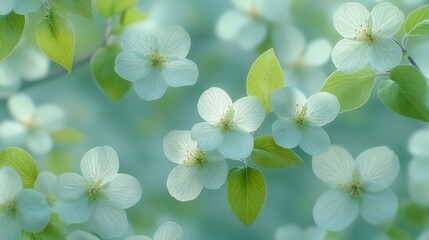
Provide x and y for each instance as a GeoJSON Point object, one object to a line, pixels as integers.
{"type": "Point", "coordinates": [419, 166]}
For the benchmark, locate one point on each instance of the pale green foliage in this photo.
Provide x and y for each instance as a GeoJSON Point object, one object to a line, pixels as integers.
{"type": "Point", "coordinates": [246, 193]}
{"type": "Point", "coordinates": [265, 76]}
{"type": "Point", "coordinates": [417, 22]}
{"type": "Point", "coordinates": [55, 36]}
{"type": "Point", "coordinates": [79, 7]}
{"type": "Point", "coordinates": [102, 66]}
{"type": "Point", "coordinates": [112, 7]}
{"type": "Point", "coordinates": [267, 153]}
{"type": "Point", "coordinates": [22, 163]}
{"type": "Point", "coordinates": [131, 15]}
{"type": "Point", "coordinates": [11, 28]}
{"type": "Point", "coordinates": [66, 135]}
{"type": "Point", "coordinates": [352, 90]}
{"type": "Point", "coordinates": [406, 93]}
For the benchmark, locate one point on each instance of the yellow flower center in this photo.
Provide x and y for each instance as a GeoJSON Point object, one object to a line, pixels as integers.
{"type": "Point", "coordinates": [95, 189]}
{"type": "Point", "coordinates": [226, 121]}
{"type": "Point", "coordinates": [196, 159]}
{"type": "Point", "coordinates": [9, 207]}
{"type": "Point", "coordinates": [157, 58]}
{"type": "Point", "coordinates": [364, 33]}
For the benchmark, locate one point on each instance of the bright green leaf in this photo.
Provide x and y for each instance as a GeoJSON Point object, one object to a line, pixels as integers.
{"type": "Point", "coordinates": [266, 153]}
{"type": "Point", "coordinates": [67, 135]}
{"type": "Point", "coordinates": [79, 7]}
{"type": "Point", "coordinates": [265, 76]}
{"type": "Point", "coordinates": [406, 93]}
{"type": "Point", "coordinates": [352, 90]}
{"type": "Point", "coordinates": [417, 22]}
{"type": "Point", "coordinates": [11, 29]}
{"type": "Point", "coordinates": [102, 65]}
{"type": "Point", "coordinates": [415, 214]}
{"type": "Point", "coordinates": [246, 193]}
{"type": "Point", "coordinates": [22, 163]}
{"type": "Point", "coordinates": [131, 16]}
{"type": "Point", "coordinates": [54, 230]}
{"type": "Point", "coordinates": [55, 36]}
{"type": "Point", "coordinates": [112, 7]}
{"type": "Point", "coordinates": [396, 233]}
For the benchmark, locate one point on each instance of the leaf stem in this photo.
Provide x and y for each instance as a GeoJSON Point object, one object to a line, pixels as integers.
{"type": "Point", "coordinates": [405, 52]}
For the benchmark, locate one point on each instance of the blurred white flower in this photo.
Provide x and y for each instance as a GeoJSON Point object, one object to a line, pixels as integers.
{"type": "Point", "coordinates": [19, 6]}
{"type": "Point", "coordinates": [81, 235]}
{"type": "Point", "coordinates": [24, 63]}
{"type": "Point", "coordinates": [167, 231]}
{"type": "Point", "coordinates": [418, 167]}
{"type": "Point", "coordinates": [424, 235]}
{"type": "Point", "coordinates": [100, 195]}
{"type": "Point", "coordinates": [46, 183]}
{"type": "Point", "coordinates": [228, 125]}
{"type": "Point", "coordinates": [358, 186]}
{"type": "Point", "coordinates": [32, 124]}
{"type": "Point", "coordinates": [301, 119]}
{"type": "Point", "coordinates": [368, 37]}
{"type": "Point", "coordinates": [247, 25]}
{"type": "Point", "coordinates": [154, 62]}
{"type": "Point", "coordinates": [293, 232]}
{"type": "Point", "coordinates": [196, 169]}
{"type": "Point", "coordinates": [20, 209]}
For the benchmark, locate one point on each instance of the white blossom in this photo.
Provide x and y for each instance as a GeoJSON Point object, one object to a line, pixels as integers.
{"type": "Point", "coordinates": [167, 231]}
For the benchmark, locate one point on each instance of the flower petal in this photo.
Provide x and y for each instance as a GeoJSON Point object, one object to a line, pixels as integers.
{"type": "Point", "coordinates": [183, 183]}
{"type": "Point", "coordinates": [124, 191]}
{"type": "Point", "coordinates": [152, 86]}
{"type": "Point", "coordinates": [419, 192]}
{"type": "Point", "coordinates": [39, 142]}
{"type": "Point", "coordinates": [132, 65]}
{"type": "Point", "coordinates": [181, 72]}
{"type": "Point", "coordinates": [378, 207]}
{"type": "Point", "coordinates": [174, 42]}
{"type": "Point", "coordinates": [286, 133]}
{"type": "Point", "coordinates": [244, 5]}
{"type": "Point", "coordinates": [385, 54]}
{"type": "Point", "coordinates": [322, 108]}
{"type": "Point", "coordinates": [349, 17]}
{"type": "Point", "coordinates": [314, 233]}
{"type": "Point", "coordinates": [378, 167]}
{"type": "Point", "coordinates": [419, 144]}
{"type": "Point", "coordinates": [386, 19]}
{"type": "Point", "coordinates": [251, 34]}
{"type": "Point", "coordinates": [213, 174]}
{"type": "Point", "coordinates": [273, 10]}
{"type": "Point", "coordinates": [236, 144]}
{"type": "Point", "coordinates": [286, 102]}
{"type": "Point", "coordinates": [288, 42]}
{"type": "Point", "coordinates": [213, 104]}
{"type": "Point", "coordinates": [248, 113]}
{"type": "Point", "coordinates": [334, 167]}
{"type": "Point", "coordinates": [108, 221]}
{"type": "Point", "coordinates": [46, 183]}
{"type": "Point", "coordinates": [24, 6]}
{"type": "Point", "coordinates": [314, 140]}
{"type": "Point", "coordinates": [288, 232]}
{"type": "Point", "coordinates": [9, 226]}
{"type": "Point", "coordinates": [418, 169]}
{"type": "Point", "coordinates": [10, 184]}
{"type": "Point", "coordinates": [140, 237]}
{"type": "Point", "coordinates": [32, 210]}
{"type": "Point", "coordinates": [169, 231]}
{"type": "Point", "coordinates": [12, 133]}
{"type": "Point", "coordinates": [81, 235]}
{"type": "Point", "coordinates": [77, 211]}
{"type": "Point", "coordinates": [71, 186]}
{"type": "Point", "coordinates": [350, 55]}
{"type": "Point", "coordinates": [229, 24]}
{"type": "Point", "coordinates": [177, 146]}
{"type": "Point", "coordinates": [135, 38]}
{"type": "Point", "coordinates": [335, 210]}
{"type": "Point", "coordinates": [49, 116]}
{"type": "Point", "coordinates": [317, 53]}
{"type": "Point", "coordinates": [208, 138]}
{"type": "Point", "coordinates": [21, 107]}
{"type": "Point", "coordinates": [100, 163]}
{"type": "Point", "coordinates": [6, 7]}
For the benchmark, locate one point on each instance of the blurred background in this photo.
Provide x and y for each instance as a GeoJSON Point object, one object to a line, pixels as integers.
{"type": "Point", "coordinates": [135, 128]}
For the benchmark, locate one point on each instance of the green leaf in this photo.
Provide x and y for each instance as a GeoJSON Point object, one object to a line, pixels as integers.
{"type": "Point", "coordinates": [11, 29]}
{"type": "Point", "coordinates": [406, 93]}
{"type": "Point", "coordinates": [131, 16]}
{"type": "Point", "coordinates": [415, 214]}
{"type": "Point", "coordinates": [417, 22]}
{"type": "Point", "coordinates": [79, 7]}
{"type": "Point", "coordinates": [22, 163]}
{"type": "Point", "coordinates": [54, 230]}
{"type": "Point", "coordinates": [396, 233]}
{"type": "Point", "coordinates": [112, 7]}
{"type": "Point", "coordinates": [102, 65]}
{"type": "Point", "coordinates": [265, 76]}
{"type": "Point", "coordinates": [352, 90]}
{"type": "Point", "coordinates": [59, 161]}
{"type": "Point", "coordinates": [266, 153]}
{"type": "Point", "coordinates": [66, 135]}
{"type": "Point", "coordinates": [246, 193]}
{"type": "Point", "coordinates": [55, 36]}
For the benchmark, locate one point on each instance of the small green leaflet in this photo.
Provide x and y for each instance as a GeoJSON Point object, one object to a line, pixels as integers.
{"type": "Point", "coordinates": [352, 90]}
{"type": "Point", "coordinates": [131, 16]}
{"type": "Point", "coordinates": [66, 135]}
{"type": "Point", "coordinates": [11, 29]}
{"type": "Point", "coordinates": [265, 76]}
{"type": "Point", "coordinates": [266, 153]}
{"type": "Point", "coordinates": [246, 193]}
{"type": "Point", "coordinates": [406, 93]}
{"type": "Point", "coordinates": [417, 22]}
{"type": "Point", "coordinates": [102, 66]}
{"type": "Point", "coordinates": [79, 7]}
{"type": "Point", "coordinates": [110, 8]}
{"type": "Point", "coordinates": [22, 163]}
{"type": "Point", "coordinates": [55, 36]}
{"type": "Point", "coordinates": [58, 161]}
